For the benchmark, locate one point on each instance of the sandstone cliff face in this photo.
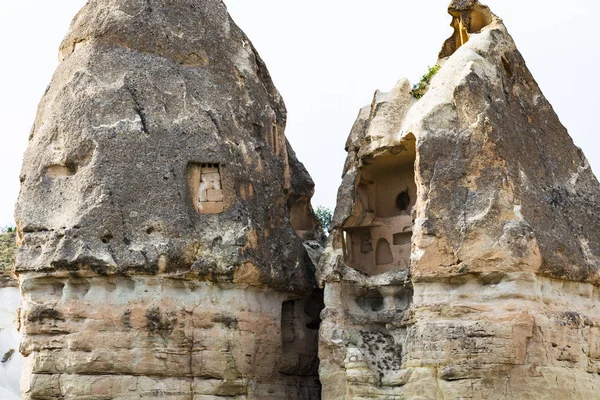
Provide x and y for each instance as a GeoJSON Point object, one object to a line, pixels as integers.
{"type": "Point", "coordinates": [465, 257]}
{"type": "Point", "coordinates": [162, 216]}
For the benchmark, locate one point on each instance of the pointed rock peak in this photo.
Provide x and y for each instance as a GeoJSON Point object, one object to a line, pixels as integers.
{"type": "Point", "coordinates": [468, 17]}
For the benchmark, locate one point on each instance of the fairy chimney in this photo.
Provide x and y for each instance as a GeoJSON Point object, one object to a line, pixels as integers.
{"type": "Point", "coordinates": [162, 217]}
{"type": "Point", "coordinates": [465, 255]}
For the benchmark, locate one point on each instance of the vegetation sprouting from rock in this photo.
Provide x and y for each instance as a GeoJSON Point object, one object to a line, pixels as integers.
{"type": "Point", "coordinates": [420, 88]}
{"type": "Point", "coordinates": [325, 216]}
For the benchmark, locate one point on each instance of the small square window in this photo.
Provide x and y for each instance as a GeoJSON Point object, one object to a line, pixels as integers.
{"type": "Point", "coordinates": [207, 189]}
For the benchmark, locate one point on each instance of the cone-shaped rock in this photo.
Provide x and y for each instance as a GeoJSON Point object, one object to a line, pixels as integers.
{"type": "Point", "coordinates": [162, 216]}
{"type": "Point", "coordinates": [465, 257]}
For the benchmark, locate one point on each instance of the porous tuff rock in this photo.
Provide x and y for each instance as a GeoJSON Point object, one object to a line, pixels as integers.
{"type": "Point", "coordinates": [465, 256]}
{"type": "Point", "coordinates": [162, 215]}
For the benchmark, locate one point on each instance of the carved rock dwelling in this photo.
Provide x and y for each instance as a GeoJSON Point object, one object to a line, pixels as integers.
{"type": "Point", "coordinates": [169, 250]}
{"type": "Point", "coordinates": [464, 259]}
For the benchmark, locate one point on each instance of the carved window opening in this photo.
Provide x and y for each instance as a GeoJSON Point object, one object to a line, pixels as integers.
{"type": "Point", "coordinates": [403, 202]}
{"type": "Point", "coordinates": [402, 239]}
{"type": "Point", "coordinates": [384, 254]}
{"type": "Point", "coordinates": [372, 300]}
{"type": "Point", "coordinates": [379, 233]}
{"type": "Point", "coordinates": [301, 216]}
{"type": "Point", "coordinates": [288, 314]}
{"type": "Point", "coordinates": [206, 187]}
{"type": "Point", "coordinates": [366, 246]}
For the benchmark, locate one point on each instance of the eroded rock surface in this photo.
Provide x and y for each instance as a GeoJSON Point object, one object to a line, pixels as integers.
{"type": "Point", "coordinates": [162, 217]}
{"type": "Point", "coordinates": [465, 256]}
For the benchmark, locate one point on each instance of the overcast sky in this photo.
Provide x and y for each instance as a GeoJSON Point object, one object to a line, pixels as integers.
{"type": "Point", "coordinates": [326, 57]}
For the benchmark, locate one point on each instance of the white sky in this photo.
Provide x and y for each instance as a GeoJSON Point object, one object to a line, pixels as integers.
{"type": "Point", "coordinates": [326, 57]}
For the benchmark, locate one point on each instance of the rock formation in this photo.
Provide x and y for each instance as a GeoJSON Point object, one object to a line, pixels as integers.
{"type": "Point", "coordinates": [162, 217]}
{"type": "Point", "coordinates": [465, 256]}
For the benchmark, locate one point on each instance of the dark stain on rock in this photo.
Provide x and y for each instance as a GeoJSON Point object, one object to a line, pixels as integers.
{"type": "Point", "coordinates": [158, 322]}
{"type": "Point", "coordinates": [230, 321]}
{"type": "Point", "coordinates": [126, 319]}
{"type": "Point", "coordinates": [42, 313]}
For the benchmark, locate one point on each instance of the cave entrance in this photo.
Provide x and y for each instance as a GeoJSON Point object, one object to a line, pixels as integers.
{"type": "Point", "coordinates": [300, 322]}
{"type": "Point", "coordinates": [301, 216]}
{"type": "Point", "coordinates": [378, 236]}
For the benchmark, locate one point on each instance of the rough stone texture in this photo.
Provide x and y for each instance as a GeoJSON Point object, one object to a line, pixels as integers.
{"type": "Point", "coordinates": [162, 216]}
{"type": "Point", "coordinates": [8, 251]}
{"type": "Point", "coordinates": [500, 297]}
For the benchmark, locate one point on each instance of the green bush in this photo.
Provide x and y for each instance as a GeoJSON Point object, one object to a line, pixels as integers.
{"type": "Point", "coordinates": [420, 88]}
{"type": "Point", "coordinates": [325, 217]}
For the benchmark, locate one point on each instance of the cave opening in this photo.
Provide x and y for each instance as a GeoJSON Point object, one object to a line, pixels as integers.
{"type": "Point", "coordinates": [300, 323]}
{"type": "Point", "coordinates": [378, 235]}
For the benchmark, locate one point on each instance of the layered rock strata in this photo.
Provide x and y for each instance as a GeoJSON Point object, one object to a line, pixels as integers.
{"type": "Point", "coordinates": [162, 216]}
{"type": "Point", "coordinates": [465, 256]}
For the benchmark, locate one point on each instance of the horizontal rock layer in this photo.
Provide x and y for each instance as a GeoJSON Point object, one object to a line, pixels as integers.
{"type": "Point", "coordinates": [164, 338]}
{"type": "Point", "coordinates": [517, 336]}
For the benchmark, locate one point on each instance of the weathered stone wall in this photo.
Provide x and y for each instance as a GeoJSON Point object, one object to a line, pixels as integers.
{"type": "Point", "coordinates": [153, 337]}
{"type": "Point", "coordinates": [159, 254]}
{"type": "Point", "coordinates": [500, 298]}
